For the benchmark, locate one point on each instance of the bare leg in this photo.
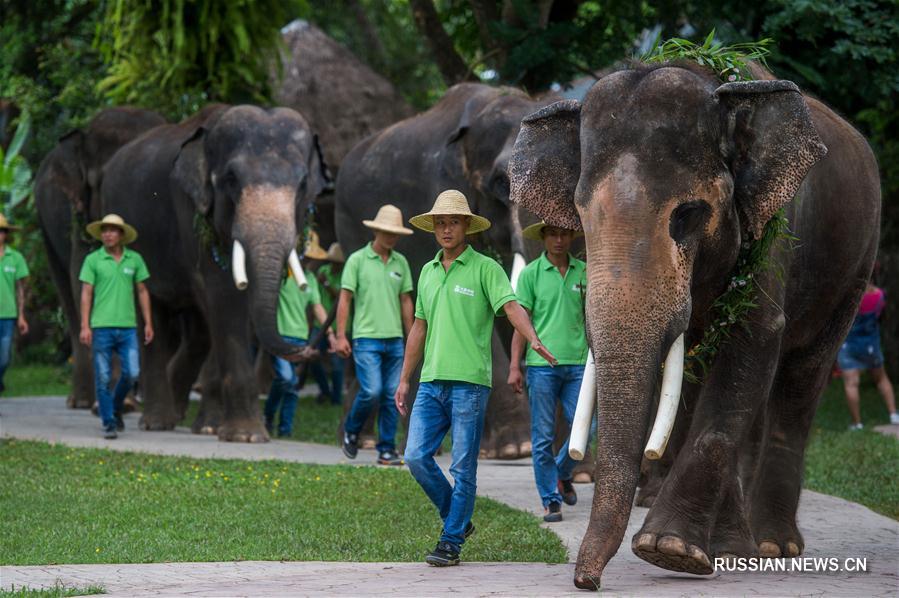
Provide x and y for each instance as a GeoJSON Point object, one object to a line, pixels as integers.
{"type": "Point", "coordinates": [850, 385]}
{"type": "Point", "coordinates": [885, 387]}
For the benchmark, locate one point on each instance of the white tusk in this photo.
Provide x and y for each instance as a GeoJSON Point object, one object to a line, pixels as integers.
{"type": "Point", "coordinates": [293, 262]}
{"type": "Point", "coordinates": [583, 414]}
{"type": "Point", "coordinates": [671, 385]}
{"type": "Point", "coordinates": [239, 266]}
{"type": "Point", "coordinates": [518, 264]}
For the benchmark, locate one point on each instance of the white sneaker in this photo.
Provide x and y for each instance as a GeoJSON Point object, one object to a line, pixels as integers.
{"type": "Point", "coordinates": [858, 426]}
{"type": "Point", "coordinates": [894, 418]}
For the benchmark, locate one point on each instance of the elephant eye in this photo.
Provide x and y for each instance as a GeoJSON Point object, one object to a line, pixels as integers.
{"type": "Point", "coordinates": [687, 218]}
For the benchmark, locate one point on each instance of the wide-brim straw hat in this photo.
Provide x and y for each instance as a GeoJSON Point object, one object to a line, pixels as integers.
{"type": "Point", "coordinates": [314, 250]}
{"type": "Point", "coordinates": [5, 225]}
{"type": "Point", "coordinates": [95, 229]}
{"type": "Point", "coordinates": [389, 220]}
{"type": "Point", "coordinates": [534, 232]}
{"type": "Point", "coordinates": [450, 203]}
{"type": "Point", "coordinates": [335, 254]}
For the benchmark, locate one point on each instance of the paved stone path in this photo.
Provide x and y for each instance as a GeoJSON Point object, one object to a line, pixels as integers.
{"type": "Point", "coordinates": [832, 528]}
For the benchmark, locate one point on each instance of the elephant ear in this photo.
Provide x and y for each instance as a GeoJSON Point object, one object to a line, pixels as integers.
{"type": "Point", "coordinates": [772, 144]}
{"type": "Point", "coordinates": [546, 163]}
{"type": "Point", "coordinates": [191, 173]}
{"type": "Point", "coordinates": [320, 179]}
{"type": "Point", "coordinates": [72, 177]}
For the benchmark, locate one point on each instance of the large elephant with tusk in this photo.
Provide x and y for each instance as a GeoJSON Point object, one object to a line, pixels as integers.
{"type": "Point", "coordinates": [219, 201]}
{"type": "Point", "coordinates": [670, 173]}
{"type": "Point", "coordinates": [463, 142]}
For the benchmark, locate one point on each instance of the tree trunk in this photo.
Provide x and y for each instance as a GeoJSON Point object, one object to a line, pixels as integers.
{"type": "Point", "coordinates": [451, 65]}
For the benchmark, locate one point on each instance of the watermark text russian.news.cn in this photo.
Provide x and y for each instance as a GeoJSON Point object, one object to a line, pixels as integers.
{"type": "Point", "coordinates": [792, 565]}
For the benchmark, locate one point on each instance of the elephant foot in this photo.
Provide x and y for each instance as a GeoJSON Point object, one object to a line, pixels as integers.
{"type": "Point", "coordinates": [776, 540]}
{"type": "Point", "coordinates": [130, 405]}
{"type": "Point", "coordinates": [156, 422]}
{"type": "Point", "coordinates": [582, 477]}
{"type": "Point", "coordinates": [733, 546]}
{"type": "Point", "coordinates": [672, 553]}
{"type": "Point", "coordinates": [243, 431]}
{"type": "Point", "coordinates": [368, 443]}
{"type": "Point", "coordinates": [585, 582]}
{"type": "Point", "coordinates": [206, 424]}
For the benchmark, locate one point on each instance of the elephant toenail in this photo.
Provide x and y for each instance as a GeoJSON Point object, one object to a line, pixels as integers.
{"type": "Point", "coordinates": [769, 550]}
{"type": "Point", "coordinates": [698, 555]}
{"type": "Point", "coordinates": [793, 549]}
{"type": "Point", "coordinates": [671, 545]}
{"type": "Point", "coordinates": [645, 542]}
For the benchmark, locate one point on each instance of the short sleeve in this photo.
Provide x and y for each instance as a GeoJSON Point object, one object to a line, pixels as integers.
{"type": "Point", "coordinates": [419, 301]}
{"type": "Point", "coordinates": [496, 285]}
{"type": "Point", "coordinates": [525, 291]}
{"type": "Point", "coordinates": [21, 267]}
{"type": "Point", "coordinates": [350, 277]}
{"type": "Point", "coordinates": [88, 274]}
{"type": "Point", "coordinates": [141, 273]}
{"type": "Point", "coordinates": [407, 278]}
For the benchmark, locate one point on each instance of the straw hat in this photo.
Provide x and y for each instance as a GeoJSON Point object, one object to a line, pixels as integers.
{"type": "Point", "coordinates": [534, 232]}
{"type": "Point", "coordinates": [129, 235]}
{"type": "Point", "coordinates": [4, 224]}
{"type": "Point", "coordinates": [450, 202]}
{"type": "Point", "coordinates": [313, 250]}
{"type": "Point", "coordinates": [388, 220]}
{"type": "Point", "coordinates": [335, 254]}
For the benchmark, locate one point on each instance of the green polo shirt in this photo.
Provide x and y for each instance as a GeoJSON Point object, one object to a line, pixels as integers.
{"type": "Point", "coordinates": [12, 268]}
{"type": "Point", "coordinates": [113, 287]}
{"type": "Point", "coordinates": [557, 309]}
{"type": "Point", "coordinates": [376, 289]}
{"type": "Point", "coordinates": [332, 280]}
{"type": "Point", "coordinates": [459, 306]}
{"type": "Point", "coordinates": [292, 304]}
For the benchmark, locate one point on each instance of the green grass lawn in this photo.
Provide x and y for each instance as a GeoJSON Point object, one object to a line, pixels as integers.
{"type": "Point", "coordinates": [66, 505]}
{"type": "Point", "coordinates": [57, 591]}
{"type": "Point", "coordinates": [36, 380]}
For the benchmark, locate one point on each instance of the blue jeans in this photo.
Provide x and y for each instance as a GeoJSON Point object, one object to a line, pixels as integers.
{"type": "Point", "coordinates": [334, 390]}
{"type": "Point", "coordinates": [7, 328]}
{"type": "Point", "coordinates": [378, 366]}
{"type": "Point", "coordinates": [438, 406]}
{"type": "Point", "coordinates": [106, 342]}
{"type": "Point", "coordinates": [547, 386]}
{"type": "Point", "coordinates": [284, 390]}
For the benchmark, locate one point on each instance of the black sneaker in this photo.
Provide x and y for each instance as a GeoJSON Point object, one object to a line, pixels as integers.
{"type": "Point", "coordinates": [389, 458]}
{"type": "Point", "coordinates": [350, 445]}
{"type": "Point", "coordinates": [270, 426]}
{"type": "Point", "coordinates": [119, 422]}
{"type": "Point", "coordinates": [110, 433]}
{"type": "Point", "coordinates": [566, 489]}
{"type": "Point", "coordinates": [553, 513]}
{"type": "Point", "coordinates": [443, 556]}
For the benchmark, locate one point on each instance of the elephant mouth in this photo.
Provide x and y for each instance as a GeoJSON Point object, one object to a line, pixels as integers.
{"type": "Point", "coordinates": [239, 268]}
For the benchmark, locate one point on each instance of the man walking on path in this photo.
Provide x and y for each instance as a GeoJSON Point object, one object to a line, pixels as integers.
{"type": "Point", "coordinates": [328, 276]}
{"type": "Point", "coordinates": [459, 293]}
{"type": "Point", "coordinates": [108, 319]}
{"type": "Point", "coordinates": [293, 326]}
{"type": "Point", "coordinates": [377, 281]}
{"type": "Point", "coordinates": [13, 271]}
{"type": "Point", "coordinates": [552, 289]}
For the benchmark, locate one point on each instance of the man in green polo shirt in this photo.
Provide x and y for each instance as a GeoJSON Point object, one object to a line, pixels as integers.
{"type": "Point", "coordinates": [293, 326]}
{"type": "Point", "coordinates": [459, 293]}
{"type": "Point", "coordinates": [377, 281]}
{"type": "Point", "coordinates": [552, 289]}
{"type": "Point", "coordinates": [108, 319]}
{"type": "Point", "coordinates": [13, 271]}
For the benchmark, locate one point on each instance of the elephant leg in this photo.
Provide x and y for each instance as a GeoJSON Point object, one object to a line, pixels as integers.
{"type": "Point", "coordinates": [778, 482]}
{"type": "Point", "coordinates": [185, 365]}
{"type": "Point", "coordinates": [160, 412]}
{"type": "Point", "coordinates": [211, 412]}
{"type": "Point", "coordinates": [677, 531]}
{"type": "Point", "coordinates": [241, 416]}
{"type": "Point", "coordinates": [507, 427]}
{"type": "Point", "coordinates": [731, 535]}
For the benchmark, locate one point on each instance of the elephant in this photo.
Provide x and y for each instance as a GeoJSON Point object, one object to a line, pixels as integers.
{"type": "Point", "coordinates": [229, 181]}
{"type": "Point", "coordinates": [669, 173]}
{"type": "Point", "coordinates": [463, 142]}
{"type": "Point", "coordinates": [67, 197]}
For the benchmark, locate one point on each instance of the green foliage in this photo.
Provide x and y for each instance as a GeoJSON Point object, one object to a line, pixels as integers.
{"type": "Point", "coordinates": [15, 174]}
{"type": "Point", "coordinates": [730, 63]}
{"type": "Point", "coordinates": [59, 590]}
{"type": "Point", "coordinates": [94, 504]}
{"type": "Point", "coordinates": [176, 55]}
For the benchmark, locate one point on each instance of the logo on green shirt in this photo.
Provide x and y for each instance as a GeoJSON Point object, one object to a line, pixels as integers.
{"type": "Point", "coordinates": [463, 291]}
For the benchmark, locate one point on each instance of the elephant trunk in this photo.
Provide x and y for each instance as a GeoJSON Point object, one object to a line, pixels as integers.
{"type": "Point", "coordinates": [265, 226]}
